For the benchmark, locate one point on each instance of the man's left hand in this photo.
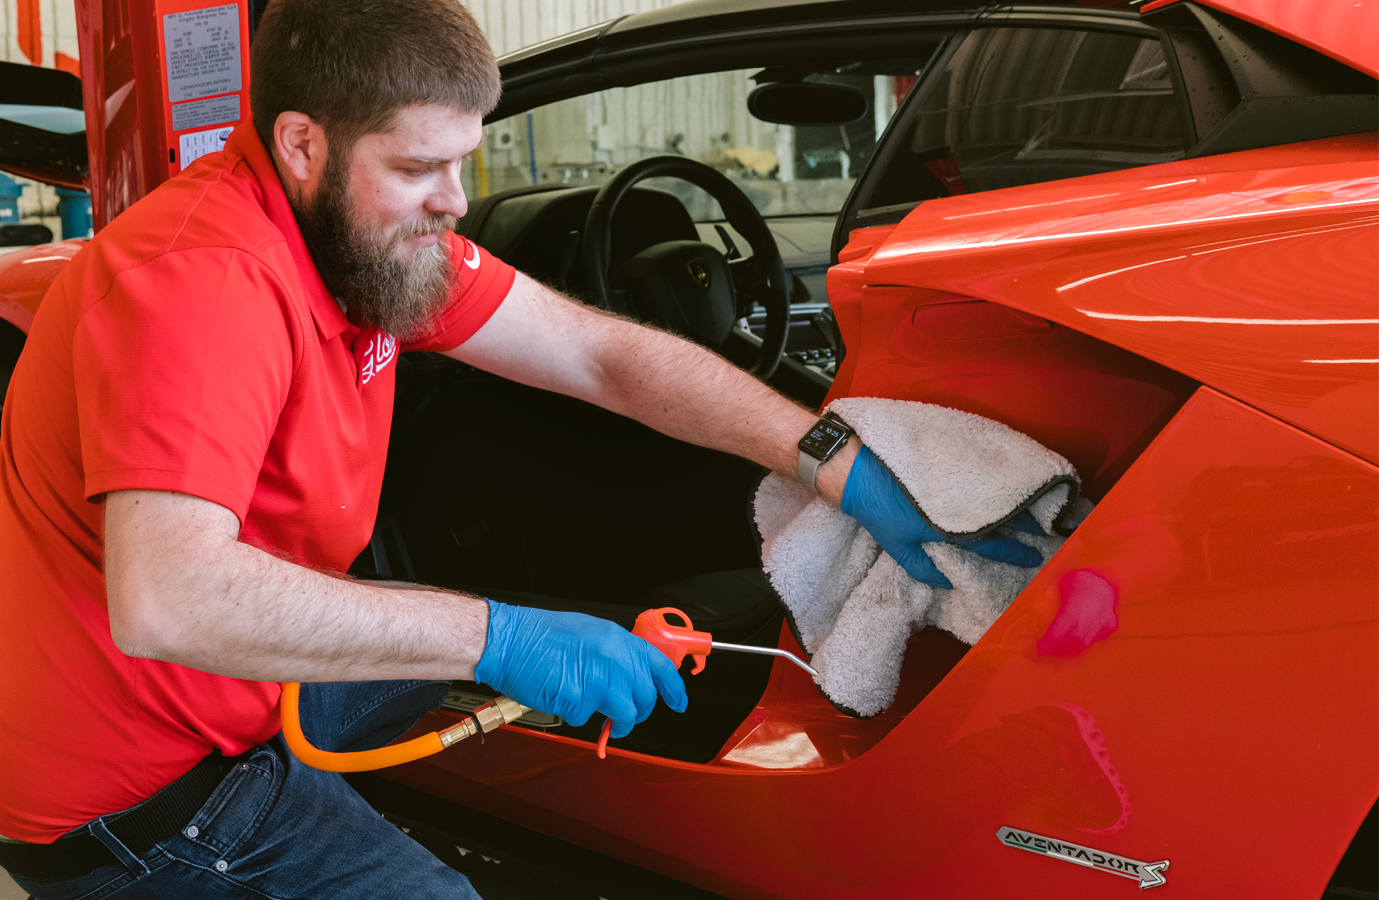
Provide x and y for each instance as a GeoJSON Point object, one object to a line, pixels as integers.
{"type": "Point", "coordinates": [880, 505]}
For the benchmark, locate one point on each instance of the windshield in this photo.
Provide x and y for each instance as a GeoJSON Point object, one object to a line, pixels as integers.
{"type": "Point", "coordinates": [785, 170]}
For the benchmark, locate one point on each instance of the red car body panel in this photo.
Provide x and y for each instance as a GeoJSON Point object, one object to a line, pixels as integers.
{"type": "Point", "coordinates": [26, 275]}
{"type": "Point", "coordinates": [1347, 30]}
{"type": "Point", "coordinates": [1193, 677]}
{"type": "Point", "coordinates": [1253, 272]}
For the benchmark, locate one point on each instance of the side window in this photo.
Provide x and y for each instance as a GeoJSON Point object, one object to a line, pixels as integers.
{"type": "Point", "coordinates": [1023, 105]}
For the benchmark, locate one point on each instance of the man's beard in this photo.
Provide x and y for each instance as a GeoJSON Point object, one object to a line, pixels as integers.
{"type": "Point", "coordinates": [361, 268]}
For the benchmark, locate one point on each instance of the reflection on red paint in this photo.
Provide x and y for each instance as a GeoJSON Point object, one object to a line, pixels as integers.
{"type": "Point", "coordinates": [1302, 197]}
{"type": "Point", "coordinates": [1086, 614]}
{"type": "Point", "coordinates": [1095, 741]}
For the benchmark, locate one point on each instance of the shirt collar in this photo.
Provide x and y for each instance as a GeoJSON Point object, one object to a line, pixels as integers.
{"type": "Point", "coordinates": [330, 321]}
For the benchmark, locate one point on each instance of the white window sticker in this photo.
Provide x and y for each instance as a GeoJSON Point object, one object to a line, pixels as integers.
{"type": "Point", "coordinates": [191, 147]}
{"type": "Point", "coordinates": [200, 113]}
{"type": "Point", "coordinates": [202, 47]}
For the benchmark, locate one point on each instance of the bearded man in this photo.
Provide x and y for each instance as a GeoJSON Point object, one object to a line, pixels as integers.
{"type": "Point", "coordinates": [193, 447]}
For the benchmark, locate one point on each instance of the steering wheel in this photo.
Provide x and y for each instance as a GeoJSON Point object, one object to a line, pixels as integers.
{"type": "Point", "coordinates": [689, 286]}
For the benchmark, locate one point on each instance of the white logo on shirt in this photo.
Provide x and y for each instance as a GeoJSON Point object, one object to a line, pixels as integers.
{"type": "Point", "coordinates": [381, 351]}
{"type": "Point", "coordinates": [473, 262]}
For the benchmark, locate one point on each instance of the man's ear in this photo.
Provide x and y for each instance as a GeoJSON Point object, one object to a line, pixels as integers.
{"type": "Point", "coordinates": [300, 145]}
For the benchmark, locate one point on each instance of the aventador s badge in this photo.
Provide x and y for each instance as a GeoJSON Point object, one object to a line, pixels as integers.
{"type": "Point", "coordinates": [700, 270]}
{"type": "Point", "coordinates": [1147, 874]}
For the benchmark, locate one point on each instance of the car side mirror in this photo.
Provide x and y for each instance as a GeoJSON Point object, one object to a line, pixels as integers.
{"type": "Point", "coordinates": [807, 103]}
{"type": "Point", "coordinates": [42, 126]}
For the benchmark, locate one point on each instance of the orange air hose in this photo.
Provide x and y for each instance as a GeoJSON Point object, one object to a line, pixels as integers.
{"type": "Point", "coordinates": [498, 711]}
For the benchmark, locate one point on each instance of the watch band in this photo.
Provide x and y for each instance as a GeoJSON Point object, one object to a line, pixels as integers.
{"type": "Point", "coordinates": [809, 470]}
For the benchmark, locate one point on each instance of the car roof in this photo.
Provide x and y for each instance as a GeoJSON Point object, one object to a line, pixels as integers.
{"type": "Point", "coordinates": [697, 17]}
{"type": "Point", "coordinates": [717, 14]}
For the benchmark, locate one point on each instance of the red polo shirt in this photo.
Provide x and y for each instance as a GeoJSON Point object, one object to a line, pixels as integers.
{"type": "Point", "coordinates": [190, 347]}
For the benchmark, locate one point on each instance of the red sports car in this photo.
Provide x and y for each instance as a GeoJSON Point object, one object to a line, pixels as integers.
{"type": "Point", "coordinates": [1143, 235]}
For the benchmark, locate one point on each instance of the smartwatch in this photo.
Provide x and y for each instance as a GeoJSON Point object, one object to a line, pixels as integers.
{"type": "Point", "coordinates": [829, 435]}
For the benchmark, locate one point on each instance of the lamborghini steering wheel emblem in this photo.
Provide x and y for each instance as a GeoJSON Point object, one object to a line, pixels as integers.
{"type": "Point", "coordinates": [1148, 874]}
{"type": "Point", "coordinates": [699, 268]}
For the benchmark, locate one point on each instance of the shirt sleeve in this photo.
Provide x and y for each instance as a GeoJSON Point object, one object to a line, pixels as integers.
{"type": "Point", "coordinates": [482, 282]}
{"type": "Point", "coordinates": [181, 371]}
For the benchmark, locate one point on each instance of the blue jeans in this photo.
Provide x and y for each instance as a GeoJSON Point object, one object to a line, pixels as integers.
{"type": "Point", "coordinates": [276, 828]}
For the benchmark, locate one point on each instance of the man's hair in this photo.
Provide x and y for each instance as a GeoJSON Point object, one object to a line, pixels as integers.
{"type": "Point", "coordinates": [351, 65]}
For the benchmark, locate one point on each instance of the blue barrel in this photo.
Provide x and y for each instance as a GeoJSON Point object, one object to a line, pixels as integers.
{"type": "Point", "coordinates": [10, 193]}
{"type": "Point", "coordinates": [74, 209]}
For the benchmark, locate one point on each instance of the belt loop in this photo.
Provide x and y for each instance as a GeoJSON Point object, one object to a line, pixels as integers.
{"type": "Point", "coordinates": [122, 853]}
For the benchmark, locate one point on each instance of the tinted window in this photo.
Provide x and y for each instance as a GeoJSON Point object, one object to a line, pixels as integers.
{"type": "Point", "coordinates": [1022, 105]}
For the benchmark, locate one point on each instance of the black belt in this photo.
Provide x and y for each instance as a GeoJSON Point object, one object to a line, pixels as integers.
{"type": "Point", "coordinates": [156, 819]}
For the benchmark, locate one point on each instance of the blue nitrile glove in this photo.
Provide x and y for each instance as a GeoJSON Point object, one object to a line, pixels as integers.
{"type": "Point", "coordinates": [879, 504]}
{"type": "Point", "coordinates": [572, 665]}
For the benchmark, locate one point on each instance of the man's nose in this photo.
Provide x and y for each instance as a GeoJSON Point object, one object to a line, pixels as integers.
{"type": "Point", "coordinates": [448, 197]}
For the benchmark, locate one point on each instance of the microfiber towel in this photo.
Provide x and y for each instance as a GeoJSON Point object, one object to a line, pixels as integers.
{"type": "Point", "coordinates": [852, 607]}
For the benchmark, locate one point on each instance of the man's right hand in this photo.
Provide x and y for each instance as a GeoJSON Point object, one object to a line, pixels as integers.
{"type": "Point", "coordinates": [572, 666]}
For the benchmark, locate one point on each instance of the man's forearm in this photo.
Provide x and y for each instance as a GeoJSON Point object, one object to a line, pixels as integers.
{"type": "Point", "coordinates": [683, 390]}
{"type": "Point", "coordinates": [183, 589]}
{"type": "Point", "coordinates": [546, 340]}
{"type": "Point", "coordinates": [687, 392]}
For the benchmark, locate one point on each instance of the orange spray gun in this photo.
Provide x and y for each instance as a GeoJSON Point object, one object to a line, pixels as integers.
{"type": "Point", "coordinates": [679, 641]}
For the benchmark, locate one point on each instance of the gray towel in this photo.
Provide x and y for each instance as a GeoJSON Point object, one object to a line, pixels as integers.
{"type": "Point", "coordinates": [851, 605]}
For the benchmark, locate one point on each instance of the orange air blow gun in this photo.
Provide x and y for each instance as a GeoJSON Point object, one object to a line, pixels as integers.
{"type": "Point", "coordinates": [679, 641]}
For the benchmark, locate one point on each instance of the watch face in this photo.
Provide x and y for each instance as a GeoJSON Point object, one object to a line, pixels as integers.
{"type": "Point", "coordinates": [824, 439]}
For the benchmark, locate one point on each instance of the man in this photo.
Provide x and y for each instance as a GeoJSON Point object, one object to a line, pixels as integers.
{"type": "Point", "coordinates": [193, 447]}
